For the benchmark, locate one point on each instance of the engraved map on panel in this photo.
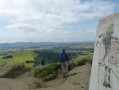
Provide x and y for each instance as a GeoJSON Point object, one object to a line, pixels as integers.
{"type": "Point", "coordinates": [110, 59]}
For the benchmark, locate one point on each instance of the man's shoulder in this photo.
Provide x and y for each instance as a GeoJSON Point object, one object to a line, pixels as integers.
{"type": "Point", "coordinates": [61, 53]}
{"type": "Point", "coordinates": [65, 53]}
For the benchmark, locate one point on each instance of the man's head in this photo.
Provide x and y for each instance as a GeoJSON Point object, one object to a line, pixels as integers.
{"type": "Point", "coordinates": [35, 62]}
{"type": "Point", "coordinates": [69, 54]}
{"type": "Point", "coordinates": [42, 57]}
{"type": "Point", "coordinates": [63, 50]}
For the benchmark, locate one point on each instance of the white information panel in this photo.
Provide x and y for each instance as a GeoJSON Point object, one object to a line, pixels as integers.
{"type": "Point", "coordinates": [105, 67]}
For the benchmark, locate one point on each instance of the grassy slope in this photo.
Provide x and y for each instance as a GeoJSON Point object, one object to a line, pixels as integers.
{"type": "Point", "coordinates": [20, 57]}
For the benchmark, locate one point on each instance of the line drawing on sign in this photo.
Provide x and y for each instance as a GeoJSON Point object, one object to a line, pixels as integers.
{"type": "Point", "coordinates": [110, 58]}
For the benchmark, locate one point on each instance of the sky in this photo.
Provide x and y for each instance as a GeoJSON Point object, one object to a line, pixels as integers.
{"type": "Point", "coordinates": [52, 20]}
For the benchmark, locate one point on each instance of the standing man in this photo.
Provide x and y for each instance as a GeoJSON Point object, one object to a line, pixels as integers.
{"type": "Point", "coordinates": [42, 61]}
{"type": "Point", "coordinates": [35, 64]}
{"type": "Point", "coordinates": [70, 62]}
{"type": "Point", "coordinates": [64, 63]}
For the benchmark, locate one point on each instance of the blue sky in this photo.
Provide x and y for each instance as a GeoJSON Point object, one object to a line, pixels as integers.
{"type": "Point", "coordinates": [52, 20]}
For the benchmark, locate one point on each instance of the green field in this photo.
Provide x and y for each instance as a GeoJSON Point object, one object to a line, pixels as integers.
{"type": "Point", "coordinates": [23, 52]}
{"type": "Point", "coordinates": [19, 57]}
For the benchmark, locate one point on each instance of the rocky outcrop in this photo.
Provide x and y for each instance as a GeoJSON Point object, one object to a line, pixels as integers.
{"type": "Point", "coordinates": [105, 67]}
{"type": "Point", "coordinates": [11, 70]}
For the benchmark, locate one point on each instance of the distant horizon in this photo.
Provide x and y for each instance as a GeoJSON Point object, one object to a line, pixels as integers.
{"type": "Point", "coordinates": [46, 42]}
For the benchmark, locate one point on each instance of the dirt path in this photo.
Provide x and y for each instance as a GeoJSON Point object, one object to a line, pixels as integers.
{"type": "Point", "coordinates": [78, 80]}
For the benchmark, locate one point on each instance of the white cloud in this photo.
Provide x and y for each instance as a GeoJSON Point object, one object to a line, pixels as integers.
{"type": "Point", "coordinates": [56, 36]}
{"type": "Point", "coordinates": [52, 10]}
{"type": "Point", "coordinates": [42, 17]}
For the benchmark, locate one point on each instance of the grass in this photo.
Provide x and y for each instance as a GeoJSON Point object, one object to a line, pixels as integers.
{"type": "Point", "coordinates": [49, 78]}
{"type": "Point", "coordinates": [19, 57]}
{"type": "Point", "coordinates": [76, 83]}
{"type": "Point", "coordinates": [22, 57]}
{"type": "Point", "coordinates": [1, 56]}
{"type": "Point", "coordinates": [38, 84]}
{"type": "Point", "coordinates": [28, 69]}
{"type": "Point", "coordinates": [79, 57]}
{"type": "Point", "coordinates": [4, 61]}
{"type": "Point", "coordinates": [47, 73]}
{"type": "Point", "coordinates": [72, 74]}
{"type": "Point", "coordinates": [28, 65]}
{"type": "Point", "coordinates": [81, 62]}
{"type": "Point", "coordinates": [74, 65]}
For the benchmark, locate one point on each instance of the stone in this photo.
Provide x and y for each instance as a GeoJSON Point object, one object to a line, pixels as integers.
{"type": "Point", "coordinates": [11, 70]}
{"type": "Point", "coordinates": [105, 67]}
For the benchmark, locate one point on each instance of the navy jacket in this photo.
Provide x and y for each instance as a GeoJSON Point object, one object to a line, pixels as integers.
{"type": "Point", "coordinates": [63, 57]}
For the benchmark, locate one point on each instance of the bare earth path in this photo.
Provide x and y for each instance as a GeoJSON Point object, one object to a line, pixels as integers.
{"type": "Point", "coordinates": [80, 81]}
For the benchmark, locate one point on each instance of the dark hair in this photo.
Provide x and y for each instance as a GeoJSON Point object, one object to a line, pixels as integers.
{"type": "Point", "coordinates": [42, 57]}
{"type": "Point", "coordinates": [63, 50]}
{"type": "Point", "coordinates": [35, 62]}
{"type": "Point", "coordinates": [69, 54]}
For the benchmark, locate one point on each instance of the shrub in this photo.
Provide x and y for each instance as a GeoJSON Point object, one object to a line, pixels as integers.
{"type": "Point", "coordinates": [76, 83]}
{"type": "Point", "coordinates": [28, 69]}
{"type": "Point", "coordinates": [81, 62]}
{"type": "Point", "coordinates": [8, 56]}
{"type": "Point", "coordinates": [72, 74]}
{"type": "Point", "coordinates": [90, 62]}
{"type": "Point", "coordinates": [51, 77]}
{"type": "Point", "coordinates": [74, 65]}
{"type": "Point", "coordinates": [37, 84]}
{"type": "Point", "coordinates": [49, 55]}
{"type": "Point", "coordinates": [47, 73]}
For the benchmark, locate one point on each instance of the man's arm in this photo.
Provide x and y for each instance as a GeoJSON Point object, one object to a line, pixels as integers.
{"type": "Point", "coordinates": [66, 57]}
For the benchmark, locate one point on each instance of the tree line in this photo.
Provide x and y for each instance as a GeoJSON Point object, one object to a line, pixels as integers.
{"type": "Point", "coordinates": [50, 56]}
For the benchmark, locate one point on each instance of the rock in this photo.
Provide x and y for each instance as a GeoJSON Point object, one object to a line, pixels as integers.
{"type": "Point", "coordinates": [105, 67]}
{"type": "Point", "coordinates": [11, 70]}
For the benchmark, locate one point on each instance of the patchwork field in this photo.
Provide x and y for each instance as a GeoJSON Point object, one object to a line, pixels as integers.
{"type": "Point", "coordinates": [19, 57]}
{"type": "Point", "coordinates": [23, 52]}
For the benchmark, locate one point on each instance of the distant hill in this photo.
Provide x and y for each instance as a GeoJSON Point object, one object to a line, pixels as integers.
{"type": "Point", "coordinates": [25, 45]}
